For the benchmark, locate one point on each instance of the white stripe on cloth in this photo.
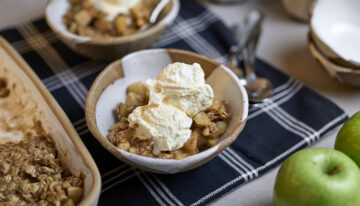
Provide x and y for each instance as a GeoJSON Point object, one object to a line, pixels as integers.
{"type": "Point", "coordinates": [280, 98]}
{"type": "Point", "coordinates": [118, 182]}
{"type": "Point", "coordinates": [55, 62]}
{"type": "Point", "coordinates": [166, 189]}
{"type": "Point", "coordinates": [285, 88]}
{"type": "Point", "coordinates": [196, 41]}
{"type": "Point", "coordinates": [271, 162]}
{"type": "Point", "coordinates": [81, 71]}
{"type": "Point", "coordinates": [278, 93]}
{"type": "Point", "coordinates": [241, 160]}
{"type": "Point", "coordinates": [232, 165]}
{"type": "Point", "coordinates": [78, 122]}
{"type": "Point", "coordinates": [154, 181]}
{"type": "Point", "coordinates": [150, 189]}
{"type": "Point", "coordinates": [306, 128]}
{"type": "Point", "coordinates": [113, 170]}
{"type": "Point", "coordinates": [22, 46]}
{"type": "Point", "coordinates": [85, 131]}
{"type": "Point", "coordinates": [81, 126]}
{"type": "Point", "coordinates": [122, 179]}
{"type": "Point", "coordinates": [119, 177]}
{"type": "Point", "coordinates": [288, 126]}
{"type": "Point", "coordinates": [158, 190]}
{"type": "Point", "coordinates": [287, 121]}
{"type": "Point", "coordinates": [116, 176]}
{"type": "Point", "coordinates": [237, 163]}
{"type": "Point", "coordinates": [198, 23]}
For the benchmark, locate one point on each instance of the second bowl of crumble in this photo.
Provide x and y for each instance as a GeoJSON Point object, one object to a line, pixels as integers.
{"type": "Point", "coordinates": [108, 29]}
{"type": "Point", "coordinates": [166, 110]}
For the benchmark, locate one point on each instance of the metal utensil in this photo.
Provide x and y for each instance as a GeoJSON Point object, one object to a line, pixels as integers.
{"type": "Point", "coordinates": [246, 36]}
{"type": "Point", "coordinates": [242, 34]}
{"type": "Point", "coordinates": [155, 14]}
{"type": "Point", "coordinates": [258, 88]}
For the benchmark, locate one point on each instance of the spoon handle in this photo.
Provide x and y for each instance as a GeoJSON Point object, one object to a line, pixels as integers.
{"type": "Point", "coordinates": [242, 34]}
{"type": "Point", "coordinates": [249, 54]}
{"type": "Point", "coordinates": [249, 50]}
{"type": "Point", "coordinates": [252, 21]}
{"type": "Point", "coordinates": [154, 15]}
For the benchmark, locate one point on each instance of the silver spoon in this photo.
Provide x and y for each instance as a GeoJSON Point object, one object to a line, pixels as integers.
{"type": "Point", "coordinates": [155, 14]}
{"type": "Point", "coordinates": [258, 88]}
{"type": "Point", "coordinates": [246, 36]}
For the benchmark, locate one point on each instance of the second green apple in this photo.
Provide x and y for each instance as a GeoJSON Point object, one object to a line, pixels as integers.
{"type": "Point", "coordinates": [348, 138]}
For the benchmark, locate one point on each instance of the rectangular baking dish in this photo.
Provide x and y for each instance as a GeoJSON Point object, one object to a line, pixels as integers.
{"type": "Point", "coordinates": [73, 153]}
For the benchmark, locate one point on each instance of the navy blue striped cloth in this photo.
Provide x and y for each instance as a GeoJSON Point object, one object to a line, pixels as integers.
{"type": "Point", "coordinates": [294, 118]}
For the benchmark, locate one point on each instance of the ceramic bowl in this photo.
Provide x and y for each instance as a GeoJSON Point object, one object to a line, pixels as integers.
{"type": "Point", "coordinates": [108, 48]}
{"type": "Point", "coordinates": [345, 75]}
{"type": "Point", "coordinates": [298, 9]}
{"type": "Point", "coordinates": [109, 89]}
{"type": "Point", "coordinates": [335, 28]}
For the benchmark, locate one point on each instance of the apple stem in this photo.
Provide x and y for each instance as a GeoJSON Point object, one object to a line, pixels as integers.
{"type": "Point", "coordinates": [333, 170]}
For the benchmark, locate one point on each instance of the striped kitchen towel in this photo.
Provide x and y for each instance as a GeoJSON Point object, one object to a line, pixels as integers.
{"type": "Point", "coordinates": [295, 117]}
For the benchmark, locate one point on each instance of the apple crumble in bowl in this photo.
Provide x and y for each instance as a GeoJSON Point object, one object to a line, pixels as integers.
{"type": "Point", "coordinates": [166, 110]}
{"type": "Point", "coordinates": [108, 29]}
{"type": "Point", "coordinates": [171, 117]}
{"type": "Point", "coordinates": [107, 18]}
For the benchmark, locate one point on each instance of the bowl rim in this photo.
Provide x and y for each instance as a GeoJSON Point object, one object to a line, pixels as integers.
{"type": "Point", "coordinates": [315, 51]}
{"type": "Point", "coordinates": [90, 115]}
{"type": "Point", "coordinates": [316, 37]}
{"type": "Point", "coordinates": [167, 20]}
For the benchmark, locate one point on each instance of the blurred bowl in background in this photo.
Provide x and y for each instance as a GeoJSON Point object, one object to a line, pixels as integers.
{"type": "Point", "coordinates": [108, 48]}
{"type": "Point", "coordinates": [227, 1]}
{"type": "Point", "coordinates": [343, 74]}
{"type": "Point", "coordinates": [298, 9]}
{"type": "Point", "coordinates": [335, 29]}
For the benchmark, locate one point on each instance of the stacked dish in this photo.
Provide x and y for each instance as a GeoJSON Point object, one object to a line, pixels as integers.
{"type": "Point", "coordinates": [333, 38]}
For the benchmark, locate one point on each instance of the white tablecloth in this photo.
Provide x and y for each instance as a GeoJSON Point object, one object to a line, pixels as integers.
{"type": "Point", "coordinates": [283, 43]}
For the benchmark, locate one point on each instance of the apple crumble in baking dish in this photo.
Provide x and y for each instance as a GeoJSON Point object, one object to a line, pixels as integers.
{"type": "Point", "coordinates": [31, 172]}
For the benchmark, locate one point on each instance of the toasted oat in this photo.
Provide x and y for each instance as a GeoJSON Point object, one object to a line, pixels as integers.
{"type": "Point", "coordinates": [4, 91]}
{"type": "Point", "coordinates": [31, 173]}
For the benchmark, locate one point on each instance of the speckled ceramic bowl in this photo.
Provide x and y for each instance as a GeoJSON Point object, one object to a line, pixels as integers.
{"type": "Point", "coordinates": [335, 29]}
{"type": "Point", "coordinates": [343, 74]}
{"type": "Point", "coordinates": [110, 86]}
{"type": "Point", "coordinates": [108, 48]}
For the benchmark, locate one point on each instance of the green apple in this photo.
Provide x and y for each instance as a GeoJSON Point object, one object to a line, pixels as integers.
{"type": "Point", "coordinates": [348, 138]}
{"type": "Point", "coordinates": [317, 177]}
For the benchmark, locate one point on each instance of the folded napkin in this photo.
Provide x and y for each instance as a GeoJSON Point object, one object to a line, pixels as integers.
{"type": "Point", "coordinates": [294, 118]}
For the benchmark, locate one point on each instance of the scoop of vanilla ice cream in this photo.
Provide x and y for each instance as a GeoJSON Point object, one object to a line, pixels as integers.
{"type": "Point", "coordinates": [167, 125]}
{"type": "Point", "coordinates": [114, 7]}
{"type": "Point", "coordinates": [183, 86]}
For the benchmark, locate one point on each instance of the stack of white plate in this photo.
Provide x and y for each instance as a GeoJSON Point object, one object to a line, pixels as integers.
{"type": "Point", "coordinates": [334, 38]}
